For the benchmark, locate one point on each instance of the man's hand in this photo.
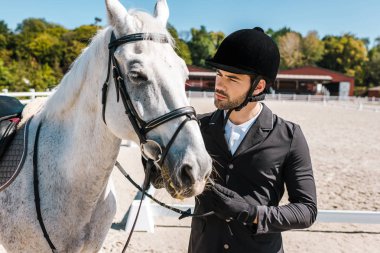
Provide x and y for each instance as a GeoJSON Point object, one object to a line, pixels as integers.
{"type": "Point", "coordinates": [228, 204]}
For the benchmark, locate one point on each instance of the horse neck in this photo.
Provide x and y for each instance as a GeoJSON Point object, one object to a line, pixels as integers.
{"type": "Point", "coordinates": [73, 114]}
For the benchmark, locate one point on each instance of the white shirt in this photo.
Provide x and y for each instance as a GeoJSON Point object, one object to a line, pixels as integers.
{"type": "Point", "coordinates": [234, 134]}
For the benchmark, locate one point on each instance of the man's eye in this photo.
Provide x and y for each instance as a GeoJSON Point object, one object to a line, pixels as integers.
{"type": "Point", "coordinates": [137, 77]}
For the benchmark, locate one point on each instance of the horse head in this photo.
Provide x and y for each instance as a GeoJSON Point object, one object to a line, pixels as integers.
{"type": "Point", "coordinates": [153, 80]}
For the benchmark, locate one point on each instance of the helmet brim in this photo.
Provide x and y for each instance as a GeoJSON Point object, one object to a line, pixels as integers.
{"type": "Point", "coordinates": [228, 68]}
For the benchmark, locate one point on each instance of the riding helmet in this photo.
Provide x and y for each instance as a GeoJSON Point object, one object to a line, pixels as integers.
{"type": "Point", "coordinates": [248, 51]}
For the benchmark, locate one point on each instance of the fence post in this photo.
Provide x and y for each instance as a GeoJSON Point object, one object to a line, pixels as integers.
{"type": "Point", "coordinates": [360, 106]}
{"type": "Point", "coordinates": [33, 95]}
{"type": "Point", "coordinates": [294, 96]}
{"type": "Point", "coordinates": [145, 221]}
{"type": "Point", "coordinates": [188, 93]}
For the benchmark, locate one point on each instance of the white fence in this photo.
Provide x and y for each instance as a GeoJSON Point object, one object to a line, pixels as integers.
{"type": "Point", "coordinates": [357, 103]}
{"type": "Point", "coordinates": [150, 210]}
{"type": "Point", "coordinates": [26, 97]}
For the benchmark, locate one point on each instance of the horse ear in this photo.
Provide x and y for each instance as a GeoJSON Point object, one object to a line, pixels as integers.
{"type": "Point", "coordinates": [116, 13]}
{"type": "Point", "coordinates": [161, 12]}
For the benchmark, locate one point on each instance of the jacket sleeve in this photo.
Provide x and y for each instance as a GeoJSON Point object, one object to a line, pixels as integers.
{"type": "Point", "coordinates": [301, 212]}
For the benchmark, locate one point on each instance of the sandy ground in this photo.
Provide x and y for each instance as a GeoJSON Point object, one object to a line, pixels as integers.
{"type": "Point", "coordinates": [345, 150]}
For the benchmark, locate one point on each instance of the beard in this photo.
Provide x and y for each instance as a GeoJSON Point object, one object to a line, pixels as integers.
{"type": "Point", "coordinates": [228, 103]}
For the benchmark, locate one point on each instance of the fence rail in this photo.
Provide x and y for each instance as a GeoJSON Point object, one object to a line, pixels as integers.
{"type": "Point", "coordinates": [149, 211]}
{"type": "Point", "coordinates": [357, 103]}
{"type": "Point", "coordinates": [361, 103]}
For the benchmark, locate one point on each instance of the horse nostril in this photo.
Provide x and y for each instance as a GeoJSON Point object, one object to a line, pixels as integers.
{"type": "Point", "coordinates": [187, 175]}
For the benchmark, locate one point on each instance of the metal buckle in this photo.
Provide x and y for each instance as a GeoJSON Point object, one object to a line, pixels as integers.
{"type": "Point", "coordinates": [151, 150]}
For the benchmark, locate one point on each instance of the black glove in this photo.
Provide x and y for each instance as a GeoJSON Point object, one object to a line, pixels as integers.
{"type": "Point", "coordinates": [227, 204]}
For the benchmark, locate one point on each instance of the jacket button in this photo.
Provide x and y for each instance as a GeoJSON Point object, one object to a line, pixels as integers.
{"type": "Point", "coordinates": [230, 166]}
{"type": "Point", "coordinates": [226, 246]}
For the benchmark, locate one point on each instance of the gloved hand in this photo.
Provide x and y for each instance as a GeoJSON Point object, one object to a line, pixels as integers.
{"type": "Point", "coordinates": [228, 204]}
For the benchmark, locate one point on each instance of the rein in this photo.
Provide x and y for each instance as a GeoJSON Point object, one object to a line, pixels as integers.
{"type": "Point", "coordinates": [183, 214]}
{"type": "Point", "coordinates": [37, 199]}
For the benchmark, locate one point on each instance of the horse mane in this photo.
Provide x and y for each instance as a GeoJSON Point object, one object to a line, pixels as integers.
{"type": "Point", "coordinates": [96, 54]}
{"type": "Point", "coordinates": [71, 85]}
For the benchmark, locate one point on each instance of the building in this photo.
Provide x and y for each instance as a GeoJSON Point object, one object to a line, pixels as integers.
{"type": "Point", "coordinates": [374, 92]}
{"type": "Point", "coordinates": [200, 79]}
{"type": "Point", "coordinates": [305, 80]}
{"type": "Point", "coordinates": [314, 80]}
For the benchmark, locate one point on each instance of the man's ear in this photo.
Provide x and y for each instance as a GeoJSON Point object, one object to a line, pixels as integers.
{"type": "Point", "coordinates": [260, 87]}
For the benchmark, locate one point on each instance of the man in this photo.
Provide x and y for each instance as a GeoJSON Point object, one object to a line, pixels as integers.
{"type": "Point", "coordinates": [255, 154]}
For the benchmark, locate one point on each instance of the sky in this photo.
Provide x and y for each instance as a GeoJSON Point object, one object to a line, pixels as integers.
{"type": "Point", "coordinates": [327, 17]}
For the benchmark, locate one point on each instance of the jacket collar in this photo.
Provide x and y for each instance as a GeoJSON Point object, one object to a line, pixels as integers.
{"type": "Point", "coordinates": [255, 135]}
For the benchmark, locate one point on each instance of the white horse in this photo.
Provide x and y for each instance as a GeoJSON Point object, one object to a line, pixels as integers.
{"type": "Point", "coordinates": [77, 150]}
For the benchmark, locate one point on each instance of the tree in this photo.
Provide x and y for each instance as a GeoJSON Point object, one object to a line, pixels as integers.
{"type": "Point", "coordinates": [203, 45]}
{"type": "Point", "coordinates": [33, 26]}
{"type": "Point", "coordinates": [181, 48]}
{"type": "Point", "coordinates": [279, 33]}
{"type": "Point", "coordinates": [217, 38]}
{"type": "Point", "coordinates": [346, 54]}
{"type": "Point", "coordinates": [5, 76]}
{"type": "Point", "coordinates": [290, 47]}
{"type": "Point", "coordinates": [74, 43]}
{"type": "Point", "coordinates": [312, 48]}
{"type": "Point", "coordinates": [45, 49]}
{"type": "Point", "coordinates": [372, 69]}
{"type": "Point", "coordinates": [4, 34]}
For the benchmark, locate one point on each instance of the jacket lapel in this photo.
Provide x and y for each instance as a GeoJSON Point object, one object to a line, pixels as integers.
{"type": "Point", "coordinates": [257, 133]}
{"type": "Point", "coordinates": [217, 131]}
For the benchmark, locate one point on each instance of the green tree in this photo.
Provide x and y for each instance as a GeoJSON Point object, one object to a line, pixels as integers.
{"type": "Point", "coordinates": [74, 43]}
{"type": "Point", "coordinates": [372, 73]}
{"type": "Point", "coordinates": [5, 76]}
{"type": "Point", "coordinates": [346, 54]}
{"type": "Point", "coordinates": [290, 47]}
{"type": "Point", "coordinates": [279, 33]}
{"type": "Point", "coordinates": [33, 26]}
{"type": "Point", "coordinates": [44, 48]}
{"type": "Point", "coordinates": [312, 48]}
{"type": "Point", "coordinates": [181, 48]}
{"type": "Point", "coordinates": [217, 38]}
{"type": "Point", "coordinates": [202, 45]}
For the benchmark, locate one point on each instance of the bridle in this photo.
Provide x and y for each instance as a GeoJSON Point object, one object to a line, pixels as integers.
{"type": "Point", "coordinates": [140, 126]}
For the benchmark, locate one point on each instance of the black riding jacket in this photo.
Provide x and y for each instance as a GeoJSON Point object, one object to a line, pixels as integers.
{"type": "Point", "coordinates": [274, 153]}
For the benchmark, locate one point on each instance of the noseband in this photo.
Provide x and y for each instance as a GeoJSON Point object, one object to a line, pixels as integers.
{"type": "Point", "coordinates": [140, 126]}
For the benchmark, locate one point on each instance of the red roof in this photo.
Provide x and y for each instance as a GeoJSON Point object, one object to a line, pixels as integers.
{"type": "Point", "coordinates": [311, 70]}
{"type": "Point", "coordinates": [193, 68]}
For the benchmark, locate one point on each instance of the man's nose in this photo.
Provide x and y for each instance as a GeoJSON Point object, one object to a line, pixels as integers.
{"type": "Point", "coordinates": [219, 84]}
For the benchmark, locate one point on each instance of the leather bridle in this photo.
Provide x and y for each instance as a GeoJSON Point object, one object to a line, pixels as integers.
{"type": "Point", "coordinates": [140, 126]}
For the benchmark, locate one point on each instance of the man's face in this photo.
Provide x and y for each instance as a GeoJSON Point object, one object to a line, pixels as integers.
{"type": "Point", "coordinates": [230, 89]}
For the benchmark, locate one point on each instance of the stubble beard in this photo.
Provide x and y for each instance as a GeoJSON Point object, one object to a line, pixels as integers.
{"type": "Point", "coordinates": [228, 104]}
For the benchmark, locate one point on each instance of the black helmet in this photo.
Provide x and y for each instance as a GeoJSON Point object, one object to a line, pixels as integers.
{"type": "Point", "coordinates": [248, 51]}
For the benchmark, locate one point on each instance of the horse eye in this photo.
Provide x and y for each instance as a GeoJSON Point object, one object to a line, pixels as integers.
{"type": "Point", "coordinates": [137, 77]}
